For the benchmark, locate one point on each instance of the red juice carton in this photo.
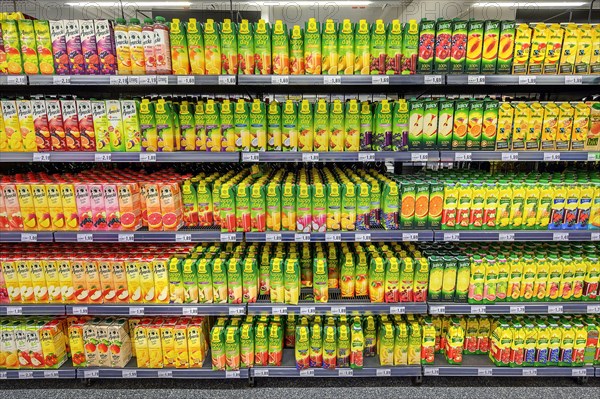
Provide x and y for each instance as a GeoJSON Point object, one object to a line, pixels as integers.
{"type": "Point", "coordinates": [40, 123]}
{"type": "Point", "coordinates": [86, 125]}
{"type": "Point", "coordinates": [73, 40]}
{"type": "Point", "coordinates": [97, 206]}
{"type": "Point", "coordinates": [12, 206]}
{"type": "Point", "coordinates": [89, 48]}
{"type": "Point", "coordinates": [59, 47]}
{"type": "Point", "coordinates": [130, 206]}
{"type": "Point", "coordinates": [111, 205]}
{"type": "Point", "coordinates": [71, 125]}
{"type": "Point", "coordinates": [55, 123]}
{"type": "Point", "coordinates": [105, 47]}
{"type": "Point", "coordinates": [171, 205]}
{"type": "Point", "coordinates": [4, 225]}
{"type": "Point", "coordinates": [84, 206]}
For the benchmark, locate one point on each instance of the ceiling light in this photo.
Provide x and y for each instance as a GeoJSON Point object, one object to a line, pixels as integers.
{"type": "Point", "coordinates": [532, 4]}
{"type": "Point", "coordinates": [162, 4]}
{"type": "Point", "coordinates": [311, 3]}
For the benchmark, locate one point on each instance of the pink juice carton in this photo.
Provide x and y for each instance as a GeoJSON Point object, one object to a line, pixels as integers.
{"type": "Point", "coordinates": [86, 125]}
{"type": "Point", "coordinates": [71, 125]}
{"type": "Point", "coordinates": [111, 205]}
{"type": "Point", "coordinates": [59, 47]}
{"type": "Point", "coordinates": [4, 225]}
{"type": "Point", "coordinates": [40, 123]}
{"type": "Point", "coordinates": [105, 47]}
{"type": "Point", "coordinates": [76, 60]}
{"type": "Point", "coordinates": [97, 206]}
{"type": "Point", "coordinates": [84, 206]}
{"type": "Point", "coordinates": [12, 206]}
{"type": "Point", "coordinates": [89, 47]}
{"type": "Point", "coordinates": [55, 124]}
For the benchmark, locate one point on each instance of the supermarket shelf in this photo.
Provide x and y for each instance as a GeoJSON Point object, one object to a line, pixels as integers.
{"type": "Point", "coordinates": [371, 368]}
{"type": "Point", "coordinates": [344, 80]}
{"type": "Point", "coordinates": [520, 80]}
{"type": "Point", "coordinates": [515, 308]}
{"type": "Point", "coordinates": [121, 80]}
{"type": "Point", "coordinates": [21, 236]}
{"type": "Point", "coordinates": [32, 310]}
{"type": "Point", "coordinates": [10, 80]}
{"type": "Point", "coordinates": [185, 235]}
{"type": "Point", "coordinates": [131, 371]}
{"type": "Point", "coordinates": [356, 156]}
{"type": "Point", "coordinates": [178, 156]}
{"type": "Point", "coordinates": [377, 234]}
{"type": "Point", "coordinates": [482, 366]}
{"type": "Point", "coordinates": [518, 156]}
{"type": "Point", "coordinates": [517, 235]}
{"type": "Point", "coordinates": [212, 309]}
{"type": "Point", "coordinates": [65, 371]}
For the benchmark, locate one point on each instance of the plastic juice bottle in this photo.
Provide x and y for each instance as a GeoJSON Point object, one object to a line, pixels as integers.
{"type": "Point", "coordinates": [229, 47]}
{"type": "Point", "coordinates": [148, 46]}
{"type": "Point", "coordinates": [289, 133]}
{"type": "Point", "coordinates": [162, 46]}
{"type": "Point", "coordinates": [297, 64]}
{"type": "Point", "coordinates": [351, 126]}
{"type": "Point", "coordinates": [123, 47]}
{"type": "Point", "coordinates": [245, 48]}
{"type": "Point", "coordinates": [553, 49]}
{"type": "Point", "coordinates": [426, 46]}
{"type": "Point", "coordinates": [138, 62]}
{"type": "Point", "coordinates": [280, 49]}
{"type": "Point", "coordinates": [262, 48]}
{"type": "Point", "coordinates": [329, 47]}
{"type": "Point", "coordinates": [362, 48]}
{"type": "Point", "coordinates": [303, 345]}
{"type": "Point", "coordinates": [443, 46]}
{"type": "Point", "coordinates": [180, 60]}
{"type": "Point", "coordinates": [584, 49]}
{"type": "Point", "coordinates": [357, 342]}
{"type": "Point", "coordinates": [569, 49]}
{"type": "Point", "coordinates": [312, 47]}
{"type": "Point", "coordinates": [382, 138]}
{"type": "Point", "coordinates": [305, 126]}
{"type": "Point", "coordinates": [522, 49]}
{"type": "Point", "coordinates": [377, 48]}
{"type": "Point", "coordinates": [345, 48]}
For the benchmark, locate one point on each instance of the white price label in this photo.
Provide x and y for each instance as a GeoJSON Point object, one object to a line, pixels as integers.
{"type": "Point", "coordinates": [380, 80]}
{"type": "Point", "coordinates": [250, 157]}
{"type": "Point", "coordinates": [61, 80]}
{"type": "Point", "coordinates": [338, 310]}
{"type": "Point", "coordinates": [332, 80]}
{"type": "Point", "coordinates": [25, 375]}
{"type": "Point", "coordinates": [463, 156]}
{"type": "Point", "coordinates": [308, 310]}
{"type": "Point", "coordinates": [484, 372]}
{"type": "Point", "coordinates": [227, 80]}
{"type": "Point", "coordinates": [165, 373]}
{"type": "Point", "coordinates": [51, 374]}
{"type": "Point", "coordinates": [560, 237]}
{"type": "Point", "coordinates": [310, 157]}
{"type": "Point", "coordinates": [476, 79]}
{"type": "Point", "coordinates": [41, 157]}
{"type": "Point", "coordinates": [593, 156]}
{"type": "Point", "coordinates": [117, 80]}
{"type": "Point", "coordinates": [362, 237]}
{"type": "Point", "coordinates": [573, 80]}
{"type": "Point", "coordinates": [517, 310]}
{"type": "Point", "coordinates": [410, 236]}
{"type": "Point", "coordinates": [301, 237]}
{"type": "Point", "coordinates": [237, 311]}
{"type": "Point", "coordinates": [431, 371]}
{"type": "Point", "coordinates": [102, 157]}
{"type": "Point", "coordinates": [3, 375]}
{"type": "Point", "coordinates": [29, 237]}
{"type": "Point", "coordinates": [397, 309]}
{"type": "Point", "coordinates": [232, 374]}
{"type": "Point", "coordinates": [307, 373]}
{"type": "Point", "coordinates": [555, 309]}
{"type": "Point", "coordinates": [451, 236]}
{"type": "Point", "coordinates": [16, 80]}
{"type": "Point", "coordinates": [419, 157]}
{"type": "Point", "coordinates": [579, 372]}
{"type": "Point", "coordinates": [529, 372]}
{"type": "Point", "coordinates": [183, 237]}
{"type": "Point", "coordinates": [527, 80]}
{"type": "Point", "coordinates": [189, 311]}
{"type": "Point", "coordinates": [147, 157]}
{"type": "Point", "coordinates": [593, 309]}
{"type": "Point", "coordinates": [279, 310]}
{"type": "Point", "coordinates": [506, 236]}
{"type": "Point", "coordinates": [346, 372]}
{"type": "Point", "coordinates": [14, 311]}
{"type": "Point", "coordinates": [148, 80]}
{"type": "Point", "coordinates": [133, 80]}
{"type": "Point", "coordinates": [228, 237]}
{"type": "Point", "coordinates": [432, 79]}
{"type": "Point", "coordinates": [333, 237]}
{"type": "Point", "coordinates": [366, 157]}
{"type": "Point", "coordinates": [136, 311]}
{"type": "Point", "coordinates": [437, 309]}
{"type": "Point", "coordinates": [280, 80]}
{"type": "Point", "coordinates": [80, 310]}
{"type": "Point", "coordinates": [551, 156]}
{"type": "Point", "coordinates": [128, 237]}
{"type": "Point", "coordinates": [129, 373]}
{"type": "Point", "coordinates": [261, 372]}
{"type": "Point", "coordinates": [162, 80]}
{"type": "Point", "coordinates": [273, 237]}
{"type": "Point", "coordinates": [510, 156]}
{"type": "Point", "coordinates": [477, 309]}
{"type": "Point", "coordinates": [186, 80]}
{"type": "Point", "coordinates": [85, 238]}
{"type": "Point", "coordinates": [383, 373]}
{"type": "Point", "coordinates": [91, 373]}
{"type": "Point", "coordinates": [595, 237]}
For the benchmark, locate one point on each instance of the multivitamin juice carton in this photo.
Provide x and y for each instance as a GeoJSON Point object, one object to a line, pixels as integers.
{"type": "Point", "coordinates": [336, 126]}
{"type": "Point", "coordinates": [474, 47]}
{"type": "Point", "coordinates": [280, 49]}
{"type": "Point", "coordinates": [491, 43]}
{"type": "Point", "coordinates": [443, 46]}
{"type": "Point", "coordinates": [426, 46]}
{"type": "Point", "coordinates": [506, 47]}
{"type": "Point", "coordinates": [458, 51]}
{"type": "Point", "coordinates": [346, 48]}
{"type": "Point", "coordinates": [245, 48]}
{"type": "Point", "coordinates": [262, 48]}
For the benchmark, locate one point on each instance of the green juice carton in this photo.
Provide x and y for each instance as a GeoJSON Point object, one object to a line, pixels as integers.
{"type": "Point", "coordinates": [370, 333]}
{"type": "Point", "coordinates": [12, 47]}
{"type": "Point", "coordinates": [242, 208]}
{"type": "Point", "coordinates": [382, 137]}
{"type": "Point", "coordinates": [449, 280]}
{"type": "Point", "coordinates": [213, 126]}
{"type": "Point", "coordinates": [458, 52]}
{"type": "Point", "coordinates": [443, 46]}
{"type": "Point", "coordinates": [362, 48]}
{"type": "Point", "coordinates": [361, 275]}
{"type": "Point", "coordinates": [389, 206]}
{"type": "Point", "coordinates": [196, 50]}
{"type": "Point", "coordinates": [376, 207]}
{"type": "Point", "coordinates": [219, 281]}
{"type": "Point", "coordinates": [522, 49]}
{"type": "Point", "coordinates": [241, 126]}
{"type": "Point", "coordinates": [190, 283]}
{"type": "Point", "coordinates": [280, 49]}
{"type": "Point", "coordinates": [44, 46]}
{"type": "Point", "coordinates": [401, 344]}
{"type": "Point", "coordinates": [378, 48]}
{"type": "Point", "coordinates": [430, 124]}
{"type": "Point", "coordinates": [274, 127]}
{"type": "Point", "coordinates": [217, 346]}
{"type": "Point", "coordinates": [306, 267]}
{"type": "Point", "coordinates": [227, 208]}
{"type": "Point", "coordinates": [190, 204]}
{"type": "Point", "coordinates": [347, 274]}
{"type": "Point", "coordinates": [305, 127]}
{"type": "Point", "coordinates": [400, 120]}
{"type": "Point", "coordinates": [188, 127]}
{"type": "Point", "coordinates": [261, 344]}
{"type": "Point", "coordinates": [385, 343]}
{"type": "Point", "coordinates": [426, 46]}
{"type": "Point", "coordinates": [478, 271]}
{"type": "Point", "coordinates": [344, 345]}
{"type": "Point", "coordinates": [180, 59]}
{"type": "Point", "coordinates": [376, 280]}
{"type": "Point", "coordinates": [289, 332]}
{"type": "Point", "coordinates": [258, 126]}
{"type": "Point", "coordinates": [148, 130]}
{"type": "Point", "coordinates": [474, 47]}
{"type": "Point", "coordinates": [408, 281]}
{"type": "Point", "coordinates": [351, 126]}
{"type": "Point", "coordinates": [474, 126]}
{"type": "Point", "coordinates": [319, 207]}
{"type": "Point", "coordinates": [416, 109]}
{"type": "Point", "coordinates": [206, 213]}
{"type": "Point", "coordinates": [461, 119]}
{"type": "Point", "coordinates": [288, 207]}
{"type": "Point", "coordinates": [199, 119]}
{"type": "Point", "coordinates": [363, 206]}
{"type": "Point", "coordinates": [302, 347]}
{"type": "Point", "coordinates": [264, 283]}
{"type": "Point", "coordinates": [229, 47]}
{"type": "Point", "coordinates": [490, 123]}
{"type": "Point", "coordinates": [436, 274]}
{"type": "Point", "coordinates": [232, 347]}
{"type": "Point", "coordinates": [212, 49]}
{"type": "Point", "coordinates": [329, 345]}
{"type": "Point", "coordinates": [491, 42]}
{"type": "Point", "coordinates": [176, 294]}
{"type": "Point", "coordinates": [321, 126]}
{"type": "Point", "coordinates": [228, 137]}
{"type": "Point", "coordinates": [115, 126]}
{"type": "Point", "coordinates": [392, 280]}
{"type": "Point", "coordinates": [445, 124]}
{"type": "Point", "coordinates": [289, 126]}
{"type": "Point", "coordinates": [463, 274]}
{"type": "Point", "coordinates": [421, 204]}
{"type": "Point", "coordinates": [320, 280]}
{"type": "Point", "coordinates": [176, 125]}
{"type": "Point", "coordinates": [304, 207]}
{"type": "Point", "coordinates": [291, 281]}
{"type": "Point", "coordinates": [348, 221]}
{"type": "Point", "coordinates": [410, 47]}
{"type": "Point", "coordinates": [247, 344]}
{"type": "Point", "coordinates": [28, 47]}
{"type": "Point", "coordinates": [312, 47]}
{"type": "Point", "coordinates": [393, 50]}
{"type": "Point", "coordinates": [204, 279]}
{"type": "Point", "coordinates": [245, 49]}
{"type": "Point", "coordinates": [346, 48]}
{"type": "Point", "coordinates": [336, 126]}
{"type": "Point", "coordinates": [357, 345]}
{"type": "Point", "coordinates": [276, 280]}
{"type": "Point", "coordinates": [297, 51]}
{"type": "Point", "coordinates": [334, 206]}
{"type": "Point", "coordinates": [258, 207]}
{"type": "Point", "coordinates": [275, 343]}
{"type": "Point", "coordinates": [273, 204]}
{"type": "Point", "coordinates": [329, 48]}
{"type": "Point", "coordinates": [506, 47]}
{"type": "Point", "coordinates": [262, 48]}
{"type": "Point", "coordinates": [366, 126]}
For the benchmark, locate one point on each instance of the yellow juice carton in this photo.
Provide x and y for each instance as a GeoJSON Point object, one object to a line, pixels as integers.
{"type": "Point", "coordinates": [55, 207]}
{"type": "Point", "coordinates": [134, 286]}
{"type": "Point", "coordinates": [161, 279]}
{"type": "Point", "coordinates": [180, 61]}
{"type": "Point", "coordinates": [167, 336]}
{"type": "Point", "coordinates": [92, 280]}
{"type": "Point", "coordinates": [26, 125]}
{"type": "Point", "coordinates": [553, 49]}
{"type": "Point", "coordinates": [155, 349]}
{"type": "Point", "coordinates": [505, 126]}
{"type": "Point", "coordinates": [550, 126]}
{"type": "Point", "coordinates": [42, 210]}
{"type": "Point", "coordinates": [25, 196]}
{"type": "Point", "coordinates": [520, 126]}
{"type": "Point", "coordinates": [505, 194]}
{"type": "Point", "coordinates": [581, 126]}
{"type": "Point", "coordinates": [532, 196]}
{"type": "Point", "coordinates": [522, 49]}
{"type": "Point", "coordinates": [77, 344]}
{"type": "Point", "coordinates": [537, 54]}
{"type": "Point", "coordinates": [52, 281]}
{"type": "Point", "coordinates": [140, 342]}
{"type": "Point", "coordinates": [65, 277]}
{"type": "Point", "coordinates": [593, 141]}
{"type": "Point", "coordinates": [569, 49]}
{"type": "Point", "coordinates": [181, 344]}
{"type": "Point", "coordinates": [517, 206]}
{"type": "Point", "coordinates": [565, 126]}
{"type": "Point", "coordinates": [12, 130]}
{"type": "Point", "coordinates": [584, 50]}
{"type": "Point", "coordinates": [38, 281]}
{"type": "Point", "coordinates": [197, 345]}
{"type": "Point", "coordinates": [534, 133]}
{"type": "Point", "coordinates": [595, 59]}
{"type": "Point", "coordinates": [146, 275]}
{"type": "Point", "coordinates": [131, 125]}
{"type": "Point", "coordinates": [11, 278]}
{"type": "Point", "coordinates": [565, 289]}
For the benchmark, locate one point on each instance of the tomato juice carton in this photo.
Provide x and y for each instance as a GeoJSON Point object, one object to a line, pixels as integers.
{"type": "Point", "coordinates": [71, 125]}
{"type": "Point", "coordinates": [426, 46]}
{"type": "Point", "coordinates": [430, 124]}
{"type": "Point", "coordinates": [105, 46]}
{"type": "Point", "coordinates": [491, 42]}
{"type": "Point", "coordinates": [89, 47]}
{"type": "Point", "coordinates": [458, 50]}
{"type": "Point", "coordinates": [312, 47]}
{"type": "Point", "coordinates": [553, 49]}
{"type": "Point", "coordinates": [362, 48]}
{"type": "Point", "coordinates": [584, 49]}
{"type": "Point", "coordinates": [297, 66]}
{"type": "Point", "coordinates": [26, 125]}
{"type": "Point", "coordinates": [443, 46]}
{"type": "Point", "coordinates": [505, 47]}
{"type": "Point", "coordinates": [522, 47]}
{"type": "Point", "coordinates": [565, 126]}
{"type": "Point", "coordinates": [83, 206]}
{"type": "Point", "coordinates": [12, 128]}
{"type": "Point", "coordinates": [28, 47]}
{"type": "Point", "coordinates": [12, 47]}
{"type": "Point", "coordinates": [475, 40]}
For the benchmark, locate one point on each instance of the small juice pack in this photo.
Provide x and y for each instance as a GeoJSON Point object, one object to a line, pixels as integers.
{"type": "Point", "coordinates": [539, 41]}
{"type": "Point", "coordinates": [345, 48]}
{"type": "Point", "coordinates": [506, 47]}
{"type": "Point", "coordinates": [475, 39]}
{"type": "Point", "coordinates": [522, 49]}
{"type": "Point", "coordinates": [180, 62]}
{"type": "Point", "coordinates": [229, 48]}
{"type": "Point", "coordinates": [297, 51]}
{"type": "Point", "coordinates": [362, 48]}
{"type": "Point", "coordinates": [458, 52]}
{"type": "Point", "coordinates": [329, 48]}
{"type": "Point", "coordinates": [553, 49]}
{"type": "Point", "coordinates": [262, 48]}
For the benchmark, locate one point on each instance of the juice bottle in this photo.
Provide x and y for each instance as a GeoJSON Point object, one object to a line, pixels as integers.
{"type": "Point", "coordinates": [123, 47]}
{"type": "Point", "coordinates": [522, 49]}
{"type": "Point", "coordinates": [245, 48]}
{"type": "Point", "coordinates": [458, 48]}
{"type": "Point", "coordinates": [138, 62]}
{"type": "Point", "coordinates": [357, 342]}
{"type": "Point", "coordinates": [584, 49]}
{"type": "Point", "coordinates": [443, 46]}
{"type": "Point", "coordinates": [475, 39]}
{"type": "Point", "coordinates": [180, 62]}
{"type": "Point", "coordinates": [148, 46]}
{"type": "Point", "coordinates": [378, 48]}
{"type": "Point", "coordinates": [262, 48]}
{"type": "Point", "coordinates": [162, 46]}
{"type": "Point", "coordinates": [329, 47]}
{"type": "Point", "coordinates": [297, 65]}
{"type": "Point", "coordinates": [44, 46]}
{"type": "Point", "coordinates": [362, 48]}
{"type": "Point", "coordinates": [426, 46]}
{"type": "Point", "coordinates": [539, 41]}
{"type": "Point", "coordinates": [506, 47]}
{"type": "Point", "coordinates": [346, 48]}
{"type": "Point", "coordinates": [553, 49]}
{"type": "Point", "coordinates": [229, 49]}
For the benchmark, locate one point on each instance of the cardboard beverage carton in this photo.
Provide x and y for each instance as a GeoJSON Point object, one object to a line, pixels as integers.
{"type": "Point", "coordinates": [506, 47]}
{"type": "Point", "coordinates": [280, 49]}
{"type": "Point", "coordinates": [312, 47]}
{"type": "Point", "coordinates": [228, 133]}
{"type": "Point", "coordinates": [362, 48]}
{"type": "Point", "coordinates": [196, 51]}
{"type": "Point", "coordinates": [569, 49]}
{"type": "Point", "coordinates": [522, 49]}
{"type": "Point", "coordinates": [274, 126]}
{"type": "Point", "coordinates": [366, 127]}
{"type": "Point", "coordinates": [585, 44]}
{"type": "Point", "coordinates": [136, 40]}
{"type": "Point", "coordinates": [321, 125]}
{"type": "Point", "coordinates": [100, 122]}
{"type": "Point", "coordinates": [336, 126]}
{"type": "Point", "coordinates": [12, 47]}
{"type": "Point", "coordinates": [289, 133]}
{"type": "Point", "coordinates": [475, 41]}
{"type": "Point", "coordinates": [262, 48]}
{"type": "Point", "coordinates": [40, 123]}
{"type": "Point", "coordinates": [297, 65]}
{"type": "Point", "coordinates": [86, 125]}
{"type": "Point", "coordinates": [105, 46]}
{"type": "Point", "coordinates": [491, 42]}
{"type": "Point", "coordinates": [553, 49]}
{"type": "Point", "coordinates": [581, 126]}
{"type": "Point", "coordinates": [443, 46]}
{"type": "Point", "coordinates": [26, 125]}
{"type": "Point", "coordinates": [550, 126]}
{"type": "Point", "coordinates": [505, 121]}
{"type": "Point", "coordinates": [565, 126]}
{"type": "Point", "coordinates": [539, 41]}
{"type": "Point", "coordinates": [520, 126]}
{"type": "Point", "coordinates": [13, 139]}
{"type": "Point", "coordinates": [329, 48]}
{"type": "Point", "coordinates": [458, 51]}
{"type": "Point", "coordinates": [42, 210]}
{"type": "Point", "coordinates": [212, 46]}
{"type": "Point", "coordinates": [345, 48]}
{"type": "Point", "coordinates": [71, 125]}
{"type": "Point", "coordinates": [28, 47]}
{"type": "Point", "coordinates": [258, 126]}
{"type": "Point", "coordinates": [426, 46]}
{"type": "Point", "coordinates": [532, 138]}
{"type": "Point", "coordinates": [180, 62]}
{"type": "Point", "coordinates": [595, 58]}
{"type": "Point", "coordinates": [416, 124]}
{"type": "Point", "coordinates": [229, 47]}
{"type": "Point", "coordinates": [382, 135]}
{"type": "Point", "coordinates": [378, 48]}
{"type": "Point", "coordinates": [430, 124]}
{"type": "Point", "coordinates": [245, 47]}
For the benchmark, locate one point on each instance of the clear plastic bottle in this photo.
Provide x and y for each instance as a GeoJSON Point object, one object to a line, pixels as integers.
{"type": "Point", "coordinates": [148, 45]}
{"type": "Point", "coordinates": [138, 65]}
{"type": "Point", "coordinates": [162, 46]}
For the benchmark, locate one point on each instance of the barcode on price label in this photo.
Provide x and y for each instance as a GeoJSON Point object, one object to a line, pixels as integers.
{"type": "Point", "coordinates": [102, 157]}
{"type": "Point", "coordinates": [510, 156]}
{"type": "Point", "coordinates": [133, 80]}
{"type": "Point", "coordinates": [14, 311]}
{"type": "Point", "coordinates": [162, 80]}
{"type": "Point", "coordinates": [302, 237]}
{"type": "Point", "coordinates": [346, 372]}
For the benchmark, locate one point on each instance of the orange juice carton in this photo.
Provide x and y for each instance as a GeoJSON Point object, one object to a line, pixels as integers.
{"type": "Point", "coordinates": [77, 345]}
{"type": "Point", "coordinates": [550, 126]}
{"type": "Point", "coordinates": [520, 126]}
{"type": "Point", "coordinates": [122, 47]}
{"type": "Point", "coordinates": [86, 125]}
{"type": "Point", "coordinates": [180, 61]}
{"type": "Point", "coordinates": [565, 126]}
{"type": "Point", "coordinates": [69, 204]}
{"type": "Point", "coordinates": [100, 122]}
{"type": "Point", "coordinates": [594, 130]}
{"type": "Point", "coordinates": [262, 48]}
{"type": "Point", "coordinates": [40, 123]}
{"type": "Point", "coordinates": [584, 50]}
{"type": "Point", "coordinates": [13, 209]}
{"type": "Point", "coordinates": [146, 271]}
{"type": "Point", "coordinates": [180, 339]}
{"type": "Point", "coordinates": [89, 48]}
{"type": "Point", "coordinates": [581, 126]}
{"type": "Point", "coordinates": [229, 49]}
{"type": "Point", "coordinates": [12, 46]}
{"type": "Point", "coordinates": [42, 209]}
{"type": "Point", "coordinates": [212, 48]}
{"type": "Point", "coordinates": [534, 133]}
{"type": "Point", "coordinates": [195, 43]}
{"type": "Point", "coordinates": [56, 125]}
{"type": "Point", "coordinates": [115, 125]}
{"type": "Point", "coordinates": [71, 125]}
{"type": "Point", "coordinates": [25, 283]}
{"type": "Point", "coordinates": [11, 280]}
{"type": "Point", "coordinates": [28, 47]}
{"type": "Point", "coordinates": [522, 49]}
{"type": "Point", "coordinates": [65, 278]}
{"type": "Point", "coordinates": [92, 280]}
{"type": "Point", "coordinates": [74, 51]}
{"type": "Point", "coordinates": [129, 206]}
{"type": "Point", "coordinates": [280, 49]}
{"type": "Point", "coordinates": [11, 126]}
{"type": "Point", "coordinates": [569, 49]}
{"type": "Point", "coordinates": [84, 206]}
{"type": "Point", "coordinates": [553, 49]}
{"type": "Point", "coordinates": [26, 204]}
{"type": "Point", "coordinates": [134, 286]}
{"type": "Point", "coordinates": [119, 343]}
{"type": "Point", "coordinates": [119, 275]}
{"type": "Point", "coordinates": [98, 209]}
{"type": "Point", "coordinates": [105, 46]}
{"type": "Point", "coordinates": [52, 281]}
{"type": "Point", "coordinates": [131, 125]}
{"type": "Point", "coordinates": [111, 206]}
{"type": "Point", "coordinates": [109, 291]}
{"type": "Point", "coordinates": [26, 125]}
{"type": "Point", "coordinates": [167, 335]}
{"type": "Point", "coordinates": [38, 281]}
{"type": "Point", "coordinates": [171, 206]}
{"type": "Point", "coordinates": [537, 54]}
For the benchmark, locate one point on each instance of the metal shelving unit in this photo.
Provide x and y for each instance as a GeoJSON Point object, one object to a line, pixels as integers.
{"type": "Point", "coordinates": [65, 371]}
{"type": "Point", "coordinates": [169, 309]}
{"type": "Point", "coordinates": [183, 235]}
{"type": "Point", "coordinates": [515, 308]}
{"type": "Point", "coordinates": [516, 235]}
{"type": "Point", "coordinates": [26, 236]}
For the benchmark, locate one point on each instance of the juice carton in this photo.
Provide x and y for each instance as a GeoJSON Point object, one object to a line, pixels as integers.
{"type": "Point", "coordinates": [161, 280]}
{"type": "Point", "coordinates": [569, 49]}
{"type": "Point", "coordinates": [26, 289]}
{"type": "Point", "coordinates": [550, 126]}
{"type": "Point", "coordinates": [162, 46]}
{"type": "Point", "coordinates": [38, 282]}
{"type": "Point", "coordinates": [12, 47]}
{"type": "Point", "coordinates": [363, 206]}
{"type": "Point", "coordinates": [578, 277]}
{"type": "Point", "coordinates": [586, 197]}
{"type": "Point", "coordinates": [522, 49]}
{"type": "Point", "coordinates": [100, 122]}
{"type": "Point", "coordinates": [176, 290]}
{"type": "Point", "coordinates": [115, 125]}
{"type": "Point", "coordinates": [449, 208]}
{"type": "Point", "coordinates": [416, 124]}
{"type": "Point", "coordinates": [336, 126]}
{"type": "Point", "coordinates": [400, 344]}
{"type": "Point", "coordinates": [227, 208]}
{"type": "Point", "coordinates": [71, 125]}
{"type": "Point", "coordinates": [436, 192]}
{"type": "Point", "coordinates": [40, 123]}
{"type": "Point", "coordinates": [565, 357]}
{"type": "Point", "coordinates": [345, 48]}
{"type": "Point", "coordinates": [529, 346]}
{"type": "Point", "coordinates": [329, 48]}
{"type": "Point", "coordinates": [445, 124]}
{"type": "Point", "coordinates": [458, 47]}
{"type": "Point", "coordinates": [180, 61]}
{"type": "Point", "coordinates": [55, 206]}
{"type": "Point", "coordinates": [303, 346]}
{"type": "Point", "coordinates": [321, 125]}
{"type": "Point", "coordinates": [558, 207]}
{"type": "Point", "coordinates": [443, 46]}
{"type": "Point", "coordinates": [289, 123]}
{"type": "Point", "coordinates": [250, 281]}
{"type": "Point", "coordinates": [392, 280]}
{"type": "Point", "coordinates": [134, 286]}
{"type": "Point", "coordinates": [200, 121]}
{"type": "Point", "coordinates": [228, 132]}
{"type": "Point", "coordinates": [534, 133]}
{"type": "Point", "coordinates": [312, 47]}
{"type": "Point", "coordinates": [148, 132]}
{"type": "Point", "coordinates": [26, 125]}
{"type": "Point", "coordinates": [105, 47]}
{"type": "Point", "coordinates": [329, 345]}
{"type": "Point", "coordinates": [475, 41]}
{"type": "Point", "coordinates": [522, 114]}
{"type": "Point", "coordinates": [275, 343]}
{"type": "Point", "coordinates": [297, 65]}
{"type": "Point", "coordinates": [234, 280]}
{"type": "Point", "coordinates": [382, 135]}
{"type": "Point", "coordinates": [553, 49]}
{"type": "Point", "coordinates": [229, 50]}
{"type": "Point", "coordinates": [291, 282]}
{"type": "Point", "coordinates": [581, 127]}
{"type": "Point", "coordinates": [571, 206]}
{"type": "Point", "coordinates": [276, 280]}
{"type": "Point", "coordinates": [258, 126]}
{"type": "Point", "coordinates": [171, 205]}
{"type": "Point", "coordinates": [205, 281]}
{"type": "Point", "coordinates": [129, 206]}
{"type": "Point", "coordinates": [155, 350]}
{"type": "Point", "coordinates": [164, 126]}
{"type": "Point", "coordinates": [362, 48]}
{"type": "Point", "coordinates": [476, 286]}
{"type": "Point", "coordinates": [220, 281]}
{"type": "Point", "coordinates": [319, 207]}
{"type": "Point", "coordinates": [591, 282]}
{"type": "Point", "coordinates": [122, 47]}
{"type": "Point", "coordinates": [565, 126]}
{"type": "Point", "coordinates": [400, 119]}
{"type": "Point", "coordinates": [407, 200]}
{"type": "Point", "coordinates": [212, 48]}
{"type": "Point", "coordinates": [89, 48]}
{"type": "Point", "coordinates": [370, 333]}
{"type": "Point", "coordinates": [595, 58]}
{"type": "Point", "coordinates": [528, 280]}
{"type": "Point", "coordinates": [195, 47]}
{"type": "Point", "coordinates": [465, 201]}
{"type": "Point", "coordinates": [348, 277]}
{"type": "Point", "coordinates": [107, 285]}
{"type": "Point", "coordinates": [505, 124]}
{"type": "Point", "coordinates": [188, 127]}
{"type": "Point", "coordinates": [44, 46]}
{"type": "Point", "coordinates": [351, 126]}
{"type": "Point", "coordinates": [506, 47]}
{"type": "Point", "coordinates": [517, 206]}
{"type": "Point", "coordinates": [136, 41]}
{"type": "Point", "coordinates": [86, 125]}
{"type": "Point", "coordinates": [378, 48]}
{"type": "Point", "coordinates": [334, 206]}
{"type": "Point", "coordinates": [42, 210]}
{"type": "Point", "coordinates": [421, 204]}
{"type": "Point", "coordinates": [584, 49]}
{"type": "Point", "coordinates": [490, 280]}
{"type": "Point", "coordinates": [461, 120]}
{"type": "Point", "coordinates": [414, 343]}
{"type": "Point", "coordinates": [242, 209]}
{"type": "Point", "coordinates": [280, 49]}
{"type": "Point", "coordinates": [245, 50]}
{"type": "Point", "coordinates": [539, 41]}
{"type": "Point", "coordinates": [426, 46]}
{"type": "Point", "coordinates": [26, 204]}
{"type": "Point", "coordinates": [532, 198]}
{"type": "Point", "coordinates": [490, 122]}
{"type": "Point", "coordinates": [348, 208]}
{"type": "Point", "coordinates": [11, 280]}
{"type": "Point", "coordinates": [258, 208]}
{"type": "Point", "coordinates": [273, 207]}
{"type": "Point", "coordinates": [3, 63]}
{"type": "Point", "coordinates": [594, 130]}
{"type": "Point", "coordinates": [146, 272]}
{"type": "Point", "coordinates": [410, 47]}
{"type": "Point", "coordinates": [454, 343]}
{"type": "Point", "coordinates": [28, 47]}
{"type": "Point", "coordinates": [247, 344]}
{"type": "Point", "coordinates": [274, 127]}
{"type": "Point", "coordinates": [12, 128]}
{"type": "Point", "coordinates": [262, 48]}
{"type": "Point", "coordinates": [448, 280]}
{"type": "Point", "coordinates": [167, 337]}
{"type": "Point", "coordinates": [462, 278]}
{"type": "Point", "coordinates": [475, 125]}
{"type": "Point", "coordinates": [119, 338]}
{"type": "Point", "coordinates": [316, 345]}
{"type": "Point", "coordinates": [377, 280]}
{"type": "Point", "coordinates": [430, 124]}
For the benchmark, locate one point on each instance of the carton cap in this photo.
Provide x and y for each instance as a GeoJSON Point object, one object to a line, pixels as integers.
{"type": "Point", "coordinates": [329, 26]}
{"type": "Point", "coordinates": [413, 27]}
{"type": "Point", "coordinates": [175, 26]}
{"type": "Point", "coordinates": [296, 32]}
{"type": "Point", "coordinates": [244, 26]}
{"type": "Point", "coordinates": [192, 26]}
{"type": "Point", "coordinates": [363, 26]}
{"type": "Point", "coordinates": [226, 27]}
{"type": "Point", "coordinates": [209, 26]}
{"type": "Point", "coordinates": [256, 106]}
{"type": "Point", "coordinates": [346, 26]}
{"type": "Point", "coordinates": [261, 26]}
{"type": "Point", "coordinates": [321, 106]}
{"type": "Point", "coordinates": [240, 106]}
{"type": "Point", "coordinates": [278, 27]}
{"type": "Point", "coordinates": [311, 25]}
{"type": "Point", "coordinates": [396, 26]}
{"type": "Point", "coordinates": [379, 26]}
